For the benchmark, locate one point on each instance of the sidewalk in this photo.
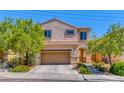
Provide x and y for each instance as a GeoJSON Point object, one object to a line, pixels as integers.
{"type": "Point", "coordinates": [90, 78]}
{"type": "Point", "coordinates": [104, 78]}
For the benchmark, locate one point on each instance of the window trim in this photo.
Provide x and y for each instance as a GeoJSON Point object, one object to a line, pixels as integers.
{"type": "Point", "coordinates": [65, 33]}
{"type": "Point", "coordinates": [47, 37]}
{"type": "Point", "coordinates": [83, 37]}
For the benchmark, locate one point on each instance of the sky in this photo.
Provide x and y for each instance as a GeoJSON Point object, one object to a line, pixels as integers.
{"type": "Point", "coordinates": [98, 20]}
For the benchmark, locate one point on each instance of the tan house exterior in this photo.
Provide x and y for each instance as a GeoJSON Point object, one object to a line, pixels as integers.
{"type": "Point", "coordinates": [64, 45]}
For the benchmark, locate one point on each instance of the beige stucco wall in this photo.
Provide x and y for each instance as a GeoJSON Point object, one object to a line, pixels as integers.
{"type": "Point", "coordinates": [58, 30]}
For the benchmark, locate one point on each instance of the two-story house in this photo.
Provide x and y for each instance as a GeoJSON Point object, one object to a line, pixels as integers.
{"type": "Point", "coordinates": [64, 43]}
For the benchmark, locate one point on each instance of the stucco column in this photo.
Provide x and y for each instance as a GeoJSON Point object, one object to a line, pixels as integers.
{"type": "Point", "coordinates": [74, 56]}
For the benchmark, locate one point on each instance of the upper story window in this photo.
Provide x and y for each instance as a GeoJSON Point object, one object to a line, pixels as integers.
{"type": "Point", "coordinates": [83, 36]}
{"type": "Point", "coordinates": [69, 32]}
{"type": "Point", "coordinates": [48, 34]}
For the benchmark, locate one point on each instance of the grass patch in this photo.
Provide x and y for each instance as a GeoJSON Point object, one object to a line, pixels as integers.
{"type": "Point", "coordinates": [20, 68]}
{"type": "Point", "coordinates": [84, 70]}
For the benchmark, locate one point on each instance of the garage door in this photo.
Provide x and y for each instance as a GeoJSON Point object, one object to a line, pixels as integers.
{"type": "Point", "coordinates": [55, 57]}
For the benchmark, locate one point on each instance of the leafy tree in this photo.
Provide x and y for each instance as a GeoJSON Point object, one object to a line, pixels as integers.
{"type": "Point", "coordinates": [22, 36]}
{"type": "Point", "coordinates": [110, 44]}
{"type": "Point", "coordinates": [93, 46]}
{"type": "Point", "coordinates": [113, 41]}
{"type": "Point", "coordinates": [4, 26]}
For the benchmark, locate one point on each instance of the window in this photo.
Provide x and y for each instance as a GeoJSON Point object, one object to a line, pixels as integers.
{"type": "Point", "coordinates": [83, 35]}
{"type": "Point", "coordinates": [47, 34]}
{"type": "Point", "coordinates": [69, 32]}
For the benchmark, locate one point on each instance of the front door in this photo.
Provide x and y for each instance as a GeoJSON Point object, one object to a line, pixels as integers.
{"type": "Point", "coordinates": [82, 56]}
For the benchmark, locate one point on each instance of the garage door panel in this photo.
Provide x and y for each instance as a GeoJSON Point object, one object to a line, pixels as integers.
{"type": "Point", "coordinates": [55, 58]}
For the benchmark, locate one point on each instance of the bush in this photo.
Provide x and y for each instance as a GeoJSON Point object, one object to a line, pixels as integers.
{"type": "Point", "coordinates": [98, 64]}
{"type": "Point", "coordinates": [1, 65]}
{"type": "Point", "coordinates": [101, 66]}
{"type": "Point", "coordinates": [20, 68]}
{"type": "Point", "coordinates": [106, 67]}
{"type": "Point", "coordinates": [16, 62]}
{"type": "Point", "coordinates": [117, 68]}
{"type": "Point", "coordinates": [32, 59]}
{"type": "Point", "coordinates": [76, 66]}
{"type": "Point", "coordinates": [83, 69]}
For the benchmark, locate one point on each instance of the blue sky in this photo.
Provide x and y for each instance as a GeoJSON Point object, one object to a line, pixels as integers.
{"type": "Point", "coordinates": [98, 20]}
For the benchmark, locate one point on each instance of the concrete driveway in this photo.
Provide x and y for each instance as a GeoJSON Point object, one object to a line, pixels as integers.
{"type": "Point", "coordinates": [45, 73]}
{"type": "Point", "coordinates": [55, 73]}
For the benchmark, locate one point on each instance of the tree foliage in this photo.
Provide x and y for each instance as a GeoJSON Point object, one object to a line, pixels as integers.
{"type": "Point", "coordinates": [111, 43]}
{"type": "Point", "coordinates": [22, 36]}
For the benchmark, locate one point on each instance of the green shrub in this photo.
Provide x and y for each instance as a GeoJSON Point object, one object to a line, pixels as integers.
{"type": "Point", "coordinates": [1, 65]}
{"type": "Point", "coordinates": [77, 65]}
{"type": "Point", "coordinates": [98, 64]}
{"type": "Point", "coordinates": [83, 69]}
{"type": "Point", "coordinates": [16, 62]}
{"type": "Point", "coordinates": [101, 66]}
{"type": "Point", "coordinates": [20, 68]}
{"type": "Point", "coordinates": [32, 59]}
{"type": "Point", "coordinates": [117, 68]}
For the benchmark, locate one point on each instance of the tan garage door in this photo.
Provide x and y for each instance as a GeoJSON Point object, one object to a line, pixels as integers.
{"type": "Point", "coordinates": [55, 57]}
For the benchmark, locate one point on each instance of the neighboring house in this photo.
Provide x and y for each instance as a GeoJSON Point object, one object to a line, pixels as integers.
{"type": "Point", "coordinates": [64, 43]}
{"type": "Point", "coordinates": [7, 55]}
{"type": "Point", "coordinates": [121, 57]}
